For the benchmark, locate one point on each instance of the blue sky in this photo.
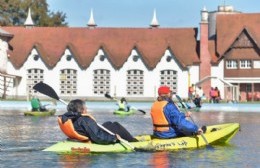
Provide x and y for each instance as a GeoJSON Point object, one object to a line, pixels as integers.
{"type": "Point", "coordinates": [138, 13]}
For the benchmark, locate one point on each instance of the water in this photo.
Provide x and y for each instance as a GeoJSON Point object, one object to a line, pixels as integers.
{"type": "Point", "coordinates": [23, 138]}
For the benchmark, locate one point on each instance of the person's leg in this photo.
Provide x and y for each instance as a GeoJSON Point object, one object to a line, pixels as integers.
{"type": "Point", "coordinates": [124, 133]}
{"type": "Point", "coordinates": [42, 109]}
{"type": "Point", "coordinates": [117, 128]}
{"type": "Point", "coordinates": [128, 107]}
{"type": "Point", "coordinates": [108, 125]}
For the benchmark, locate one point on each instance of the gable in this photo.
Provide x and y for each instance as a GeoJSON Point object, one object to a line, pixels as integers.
{"type": "Point", "coordinates": [229, 28]}
{"type": "Point", "coordinates": [244, 47]}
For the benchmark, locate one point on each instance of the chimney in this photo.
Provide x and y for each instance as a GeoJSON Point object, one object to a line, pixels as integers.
{"type": "Point", "coordinates": [205, 58]}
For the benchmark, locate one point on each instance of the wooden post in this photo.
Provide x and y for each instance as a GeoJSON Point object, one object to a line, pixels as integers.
{"type": "Point", "coordinates": [5, 89]}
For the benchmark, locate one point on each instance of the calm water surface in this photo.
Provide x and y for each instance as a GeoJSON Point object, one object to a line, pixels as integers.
{"type": "Point", "coordinates": [23, 138]}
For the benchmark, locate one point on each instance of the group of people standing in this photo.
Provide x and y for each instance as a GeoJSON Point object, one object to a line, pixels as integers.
{"type": "Point", "coordinates": [168, 121]}
{"type": "Point", "coordinates": [214, 94]}
{"type": "Point", "coordinates": [196, 95]}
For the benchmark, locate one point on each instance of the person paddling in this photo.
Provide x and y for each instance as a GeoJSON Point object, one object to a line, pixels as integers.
{"type": "Point", "coordinates": [123, 105]}
{"type": "Point", "coordinates": [37, 105]}
{"type": "Point", "coordinates": [168, 121]}
{"type": "Point", "coordinates": [86, 125]}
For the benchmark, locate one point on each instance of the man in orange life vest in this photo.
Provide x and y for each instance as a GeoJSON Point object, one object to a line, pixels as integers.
{"type": "Point", "coordinates": [168, 121]}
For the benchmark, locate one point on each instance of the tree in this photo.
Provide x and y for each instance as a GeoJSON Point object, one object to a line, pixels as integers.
{"type": "Point", "coordinates": [14, 13]}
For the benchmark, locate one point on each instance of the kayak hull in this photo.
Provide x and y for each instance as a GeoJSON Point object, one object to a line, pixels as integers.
{"type": "Point", "coordinates": [39, 113]}
{"type": "Point", "coordinates": [119, 112]}
{"type": "Point", "coordinates": [222, 134]}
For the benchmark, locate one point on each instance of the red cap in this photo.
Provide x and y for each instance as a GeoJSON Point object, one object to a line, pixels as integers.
{"type": "Point", "coordinates": [164, 90]}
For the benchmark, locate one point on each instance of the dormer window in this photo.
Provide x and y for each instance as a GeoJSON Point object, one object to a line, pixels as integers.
{"type": "Point", "coordinates": [102, 57]}
{"type": "Point", "coordinates": [69, 57]}
{"type": "Point", "coordinates": [135, 58]}
{"type": "Point", "coordinates": [36, 57]}
{"type": "Point", "coordinates": [168, 58]}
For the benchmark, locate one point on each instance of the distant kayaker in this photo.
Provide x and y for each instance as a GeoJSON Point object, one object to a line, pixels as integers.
{"type": "Point", "coordinates": [86, 125]}
{"type": "Point", "coordinates": [37, 105]}
{"type": "Point", "coordinates": [123, 105]}
{"type": "Point", "coordinates": [168, 121]}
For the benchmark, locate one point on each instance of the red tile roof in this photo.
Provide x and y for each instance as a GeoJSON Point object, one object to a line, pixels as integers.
{"type": "Point", "coordinates": [117, 43]}
{"type": "Point", "coordinates": [230, 26]}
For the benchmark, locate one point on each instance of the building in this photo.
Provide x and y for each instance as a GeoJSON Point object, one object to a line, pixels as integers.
{"type": "Point", "coordinates": [87, 62]}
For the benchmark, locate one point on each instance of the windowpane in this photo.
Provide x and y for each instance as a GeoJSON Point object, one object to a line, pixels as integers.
{"type": "Point", "coordinates": [101, 83]}
{"type": "Point", "coordinates": [231, 64]}
{"type": "Point", "coordinates": [245, 64]}
{"type": "Point", "coordinates": [34, 76]}
{"type": "Point", "coordinates": [68, 82]}
{"type": "Point", "coordinates": [169, 78]}
{"type": "Point", "coordinates": [135, 81]}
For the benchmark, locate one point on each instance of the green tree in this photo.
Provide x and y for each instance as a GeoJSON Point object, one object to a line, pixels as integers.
{"type": "Point", "coordinates": [14, 13]}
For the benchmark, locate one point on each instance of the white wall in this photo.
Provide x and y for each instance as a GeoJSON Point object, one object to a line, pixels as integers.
{"type": "Point", "coordinates": [218, 71]}
{"type": "Point", "coordinates": [118, 77]}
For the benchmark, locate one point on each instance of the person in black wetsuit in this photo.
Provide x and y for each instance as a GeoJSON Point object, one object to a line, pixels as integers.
{"type": "Point", "coordinates": [85, 124]}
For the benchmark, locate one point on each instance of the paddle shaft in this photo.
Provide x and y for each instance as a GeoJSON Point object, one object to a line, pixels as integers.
{"type": "Point", "coordinates": [185, 108]}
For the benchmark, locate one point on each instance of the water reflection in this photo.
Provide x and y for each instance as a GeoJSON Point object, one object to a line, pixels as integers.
{"type": "Point", "coordinates": [160, 159]}
{"type": "Point", "coordinates": [22, 138]}
{"type": "Point", "coordinates": [68, 161]}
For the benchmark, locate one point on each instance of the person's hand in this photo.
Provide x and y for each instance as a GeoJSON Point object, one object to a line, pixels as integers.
{"type": "Point", "coordinates": [118, 138]}
{"type": "Point", "coordinates": [188, 114]}
{"type": "Point", "coordinates": [200, 131]}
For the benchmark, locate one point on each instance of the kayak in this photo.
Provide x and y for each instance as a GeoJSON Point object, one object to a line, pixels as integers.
{"type": "Point", "coordinates": [39, 113]}
{"type": "Point", "coordinates": [215, 134]}
{"type": "Point", "coordinates": [121, 112]}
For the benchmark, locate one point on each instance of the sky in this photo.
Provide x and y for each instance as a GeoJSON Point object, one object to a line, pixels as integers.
{"type": "Point", "coordinates": [139, 13]}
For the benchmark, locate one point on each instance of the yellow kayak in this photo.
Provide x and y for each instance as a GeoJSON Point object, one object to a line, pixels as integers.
{"type": "Point", "coordinates": [215, 134]}
{"type": "Point", "coordinates": [39, 113]}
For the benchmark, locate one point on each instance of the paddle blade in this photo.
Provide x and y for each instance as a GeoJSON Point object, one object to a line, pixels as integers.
{"type": "Point", "coordinates": [108, 96]}
{"type": "Point", "coordinates": [46, 90]}
{"type": "Point", "coordinates": [141, 111]}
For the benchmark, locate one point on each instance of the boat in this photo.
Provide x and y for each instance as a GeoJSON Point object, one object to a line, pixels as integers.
{"type": "Point", "coordinates": [122, 112]}
{"type": "Point", "coordinates": [40, 113]}
{"type": "Point", "coordinates": [215, 134]}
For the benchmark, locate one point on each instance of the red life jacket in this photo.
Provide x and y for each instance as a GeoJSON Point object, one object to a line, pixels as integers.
{"type": "Point", "coordinates": [160, 122]}
{"type": "Point", "coordinates": [68, 129]}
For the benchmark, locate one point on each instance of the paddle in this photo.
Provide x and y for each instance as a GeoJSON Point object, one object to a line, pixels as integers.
{"type": "Point", "coordinates": [112, 98]}
{"type": "Point", "coordinates": [49, 91]}
{"type": "Point", "coordinates": [202, 135]}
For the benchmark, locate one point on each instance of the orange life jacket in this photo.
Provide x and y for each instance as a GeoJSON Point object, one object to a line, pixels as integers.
{"type": "Point", "coordinates": [215, 93]}
{"type": "Point", "coordinates": [68, 129]}
{"type": "Point", "coordinates": [191, 89]}
{"type": "Point", "coordinates": [160, 122]}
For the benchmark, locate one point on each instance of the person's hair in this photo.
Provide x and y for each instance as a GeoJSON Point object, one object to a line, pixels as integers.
{"type": "Point", "coordinates": [123, 100]}
{"type": "Point", "coordinates": [76, 105]}
{"type": "Point", "coordinates": [163, 97]}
